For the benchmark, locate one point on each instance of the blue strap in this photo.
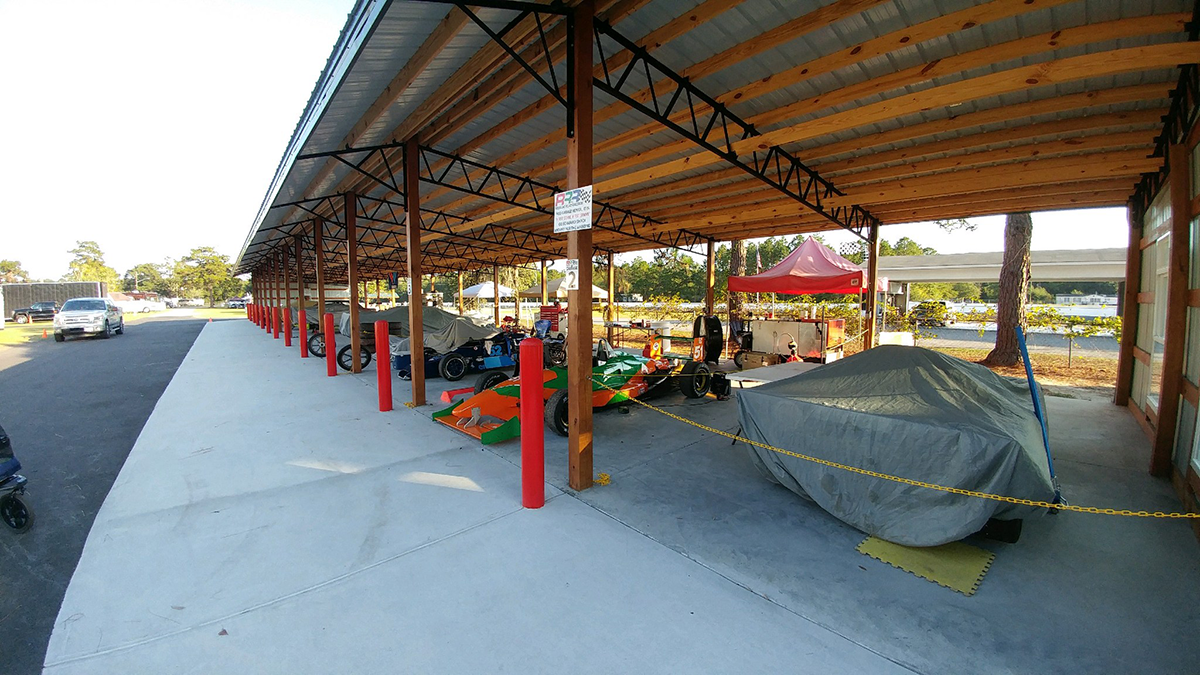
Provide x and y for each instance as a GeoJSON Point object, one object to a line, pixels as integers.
{"type": "Point", "coordinates": [1037, 407]}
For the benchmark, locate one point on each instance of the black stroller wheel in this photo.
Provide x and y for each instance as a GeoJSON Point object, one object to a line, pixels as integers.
{"type": "Point", "coordinates": [16, 513]}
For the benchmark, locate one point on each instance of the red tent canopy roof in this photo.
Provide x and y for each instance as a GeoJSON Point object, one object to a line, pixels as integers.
{"type": "Point", "coordinates": [811, 268]}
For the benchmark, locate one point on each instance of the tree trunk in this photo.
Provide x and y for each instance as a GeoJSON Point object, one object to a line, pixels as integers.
{"type": "Point", "coordinates": [1014, 288]}
{"type": "Point", "coordinates": [737, 268]}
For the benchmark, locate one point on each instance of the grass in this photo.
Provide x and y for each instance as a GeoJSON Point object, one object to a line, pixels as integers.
{"type": "Point", "coordinates": [1084, 371]}
{"type": "Point", "coordinates": [17, 334]}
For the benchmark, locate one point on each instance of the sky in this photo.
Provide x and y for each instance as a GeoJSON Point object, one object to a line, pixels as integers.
{"type": "Point", "coordinates": [155, 127]}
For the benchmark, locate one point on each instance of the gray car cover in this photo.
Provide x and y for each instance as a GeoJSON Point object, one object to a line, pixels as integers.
{"type": "Point", "coordinates": [908, 412]}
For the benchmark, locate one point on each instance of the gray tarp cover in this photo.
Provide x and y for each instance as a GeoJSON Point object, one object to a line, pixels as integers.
{"type": "Point", "coordinates": [444, 331]}
{"type": "Point", "coordinates": [907, 412]}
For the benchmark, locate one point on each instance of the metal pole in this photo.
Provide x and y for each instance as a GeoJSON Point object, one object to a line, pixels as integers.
{"type": "Point", "coordinates": [533, 429]}
{"type": "Point", "coordinates": [496, 294]}
{"type": "Point", "coordinates": [319, 252]}
{"type": "Point", "coordinates": [872, 280]}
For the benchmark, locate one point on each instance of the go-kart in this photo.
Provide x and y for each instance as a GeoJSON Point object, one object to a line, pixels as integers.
{"type": "Point", "coordinates": [498, 351]}
{"type": "Point", "coordinates": [491, 415]}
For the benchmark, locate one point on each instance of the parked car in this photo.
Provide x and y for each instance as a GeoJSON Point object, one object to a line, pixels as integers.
{"type": "Point", "coordinates": [932, 313]}
{"type": "Point", "coordinates": [235, 303]}
{"type": "Point", "coordinates": [88, 316]}
{"type": "Point", "coordinates": [38, 311]}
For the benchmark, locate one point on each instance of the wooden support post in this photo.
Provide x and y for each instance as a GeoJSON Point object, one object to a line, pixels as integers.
{"type": "Point", "coordinates": [319, 251]}
{"type": "Point", "coordinates": [710, 280]}
{"type": "Point", "coordinates": [545, 300]}
{"type": "Point", "coordinates": [298, 243]}
{"type": "Point", "coordinates": [579, 247]}
{"type": "Point", "coordinates": [872, 280]}
{"type": "Point", "coordinates": [1175, 338]}
{"type": "Point", "coordinates": [412, 239]}
{"type": "Point", "coordinates": [351, 220]}
{"type": "Point", "coordinates": [1129, 315]}
{"type": "Point", "coordinates": [286, 318]}
{"type": "Point", "coordinates": [612, 293]}
{"type": "Point", "coordinates": [496, 294]}
{"type": "Point", "coordinates": [460, 297]}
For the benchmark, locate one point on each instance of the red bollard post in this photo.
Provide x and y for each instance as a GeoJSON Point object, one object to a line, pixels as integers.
{"type": "Point", "coordinates": [330, 346]}
{"type": "Point", "coordinates": [303, 327]}
{"type": "Point", "coordinates": [533, 428]}
{"type": "Point", "coordinates": [276, 319]}
{"type": "Point", "coordinates": [383, 365]}
{"type": "Point", "coordinates": [287, 326]}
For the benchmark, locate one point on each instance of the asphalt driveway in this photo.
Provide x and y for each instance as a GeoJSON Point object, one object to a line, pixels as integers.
{"type": "Point", "coordinates": [73, 411]}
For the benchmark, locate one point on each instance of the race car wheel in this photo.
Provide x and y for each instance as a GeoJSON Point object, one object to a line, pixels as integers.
{"type": "Point", "coordinates": [489, 379]}
{"type": "Point", "coordinates": [556, 354]}
{"type": "Point", "coordinates": [453, 367]}
{"type": "Point", "coordinates": [739, 360]}
{"type": "Point", "coordinates": [343, 358]}
{"type": "Point", "coordinates": [16, 513]}
{"type": "Point", "coordinates": [695, 379]}
{"type": "Point", "coordinates": [316, 345]}
{"type": "Point", "coordinates": [556, 412]}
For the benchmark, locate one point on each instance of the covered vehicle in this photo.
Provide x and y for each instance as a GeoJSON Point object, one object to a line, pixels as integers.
{"type": "Point", "coordinates": [907, 412]}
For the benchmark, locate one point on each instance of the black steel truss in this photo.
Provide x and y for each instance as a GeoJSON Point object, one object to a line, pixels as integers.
{"type": "Point", "coordinates": [540, 56]}
{"type": "Point", "coordinates": [714, 127]}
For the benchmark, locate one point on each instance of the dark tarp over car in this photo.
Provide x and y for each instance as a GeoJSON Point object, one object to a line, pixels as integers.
{"type": "Point", "coordinates": [907, 412]}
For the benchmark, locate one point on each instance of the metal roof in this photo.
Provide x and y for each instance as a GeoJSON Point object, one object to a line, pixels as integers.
{"type": "Point", "coordinates": [915, 109]}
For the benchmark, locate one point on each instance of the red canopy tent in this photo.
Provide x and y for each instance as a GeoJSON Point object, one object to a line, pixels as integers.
{"type": "Point", "coordinates": [811, 268]}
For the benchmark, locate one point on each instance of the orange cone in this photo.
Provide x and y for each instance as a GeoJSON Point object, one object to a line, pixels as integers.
{"type": "Point", "coordinates": [44, 336]}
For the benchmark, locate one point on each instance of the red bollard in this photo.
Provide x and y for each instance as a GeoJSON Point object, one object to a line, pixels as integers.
{"type": "Point", "coordinates": [330, 346]}
{"type": "Point", "coordinates": [276, 320]}
{"type": "Point", "coordinates": [303, 327]}
{"type": "Point", "coordinates": [533, 428]}
{"type": "Point", "coordinates": [287, 326]}
{"type": "Point", "coordinates": [383, 365]}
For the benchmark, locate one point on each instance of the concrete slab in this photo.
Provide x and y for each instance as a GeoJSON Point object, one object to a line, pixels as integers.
{"type": "Point", "coordinates": [269, 520]}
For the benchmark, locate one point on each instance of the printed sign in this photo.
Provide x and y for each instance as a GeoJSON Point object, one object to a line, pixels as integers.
{"type": "Point", "coordinates": [571, 281]}
{"type": "Point", "coordinates": [573, 210]}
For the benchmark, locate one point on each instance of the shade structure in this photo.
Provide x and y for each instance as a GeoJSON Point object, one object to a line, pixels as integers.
{"type": "Point", "coordinates": [811, 268]}
{"type": "Point", "coordinates": [487, 290]}
{"type": "Point", "coordinates": [554, 289]}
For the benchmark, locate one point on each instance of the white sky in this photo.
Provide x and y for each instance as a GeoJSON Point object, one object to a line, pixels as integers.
{"type": "Point", "coordinates": [155, 127]}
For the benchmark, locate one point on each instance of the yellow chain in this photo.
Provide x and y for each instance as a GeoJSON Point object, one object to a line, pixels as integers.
{"type": "Point", "coordinates": [908, 481]}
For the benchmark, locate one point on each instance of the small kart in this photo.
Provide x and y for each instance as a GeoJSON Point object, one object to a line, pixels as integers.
{"type": "Point", "coordinates": [491, 415]}
{"type": "Point", "coordinates": [499, 351]}
{"type": "Point", "coordinates": [13, 510]}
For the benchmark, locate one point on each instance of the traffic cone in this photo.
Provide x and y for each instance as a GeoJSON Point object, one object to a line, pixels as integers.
{"type": "Point", "coordinates": [44, 336]}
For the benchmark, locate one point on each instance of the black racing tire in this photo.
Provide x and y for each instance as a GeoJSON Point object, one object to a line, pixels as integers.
{"type": "Point", "coordinates": [107, 333]}
{"type": "Point", "coordinates": [16, 513]}
{"type": "Point", "coordinates": [489, 379]}
{"type": "Point", "coordinates": [739, 360]}
{"type": "Point", "coordinates": [556, 413]}
{"type": "Point", "coordinates": [695, 379]}
{"type": "Point", "coordinates": [21, 318]}
{"type": "Point", "coordinates": [453, 367]}
{"type": "Point", "coordinates": [343, 357]}
{"type": "Point", "coordinates": [316, 345]}
{"type": "Point", "coordinates": [59, 337]}
{"type": "Point", "coordinates": [556, 354]}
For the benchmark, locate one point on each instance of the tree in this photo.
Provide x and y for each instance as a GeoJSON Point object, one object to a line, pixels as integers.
{"type": "Point", "coordinates": [207, 273]}
{"type": "Point", "coordinates": [1014, 287]}
{"type": "Point", "coordinates": [11, 272]}
{"type": "Point", "coordinates": [148, 277]}
{"type": "Point", "coordinates": [736, 268]}
{"type": "Point", "coordinates": [88, 265]}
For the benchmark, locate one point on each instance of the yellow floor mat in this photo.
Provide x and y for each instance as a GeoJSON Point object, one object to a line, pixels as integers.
{"type": "Point", "coordinates": [956, 565]}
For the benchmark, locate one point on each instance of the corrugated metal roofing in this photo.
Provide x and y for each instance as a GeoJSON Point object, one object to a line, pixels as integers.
{"type": "Point", "coordinates": [381, 37]}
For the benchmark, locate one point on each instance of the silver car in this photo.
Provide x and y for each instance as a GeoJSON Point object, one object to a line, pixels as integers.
{"type": "Point", "coordinates": [88, 316]}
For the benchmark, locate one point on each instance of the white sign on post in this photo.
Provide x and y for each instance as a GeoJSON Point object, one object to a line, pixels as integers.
{"type": "Point", "coordinates": [573, 210]}
{"type": "Point", "coordinates": [571, 281]}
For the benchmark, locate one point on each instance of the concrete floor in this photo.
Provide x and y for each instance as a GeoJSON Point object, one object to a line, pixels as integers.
{"type": "Point", "coordinates": [302, 531]}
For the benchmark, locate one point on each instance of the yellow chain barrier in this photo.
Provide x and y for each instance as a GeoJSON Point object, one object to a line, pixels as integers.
{"type": "Point", "coordinates": [909, 481]}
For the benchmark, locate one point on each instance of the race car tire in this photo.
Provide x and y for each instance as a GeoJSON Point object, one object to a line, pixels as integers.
{"type": "Point", "coordinates": [556, 354]}
{"type": "Point", "coordinates": [489, 379]}
{"type": "Point", "coordinates": [316, 345]}
{"type": "Point", "coordinates": [453, 367]}
{"type": "Point", "coordinates": [739, 360]}
{"type": "Point", "coordinates": [695, 379]}
{"type": "Point", "coordinates": [556, 412]}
